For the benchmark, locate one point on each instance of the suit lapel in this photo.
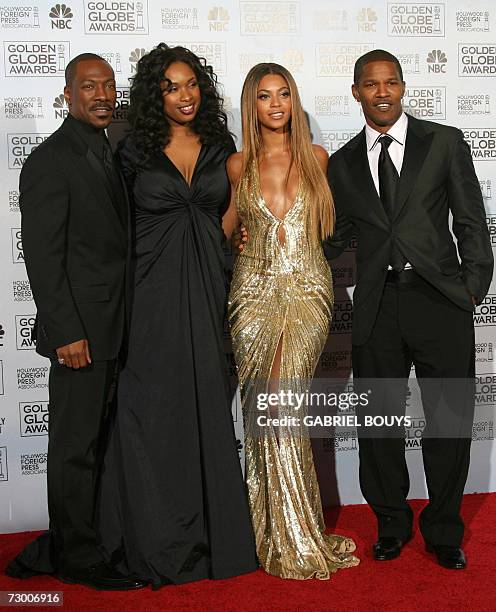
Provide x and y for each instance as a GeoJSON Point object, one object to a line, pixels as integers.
{"type": "Point", "coordinates": [94, 174]}
{"type": "Point", "coordinates": [360, 175]}
{"type": "Point", "coordinates": [417, 146]}
{"type": "Point", "coordinates": [103, 181]}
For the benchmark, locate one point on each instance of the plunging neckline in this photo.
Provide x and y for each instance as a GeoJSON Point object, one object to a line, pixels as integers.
{"type": "Point", "coordinates": [194, 167]}
{"type": "Point", "coordinates": [266, 206]}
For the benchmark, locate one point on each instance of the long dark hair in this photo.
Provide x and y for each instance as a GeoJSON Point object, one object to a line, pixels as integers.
{"type": "Point", "coordinates": [150, 131]}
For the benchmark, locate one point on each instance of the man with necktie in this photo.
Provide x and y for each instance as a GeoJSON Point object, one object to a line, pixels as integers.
{"type": "Point", "coordinates": [394, 186]}
{"type": "Point", "coordinates": [75, 237]}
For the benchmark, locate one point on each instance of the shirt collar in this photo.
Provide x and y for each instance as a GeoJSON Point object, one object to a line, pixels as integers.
{"type": "Point", "coordinates": [397, 132]}
{"type": "Point", "coordinates": [93, 137]}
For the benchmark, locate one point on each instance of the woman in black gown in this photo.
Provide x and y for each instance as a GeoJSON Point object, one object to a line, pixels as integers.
{"type": "Point", "coordinates": [173, 505]}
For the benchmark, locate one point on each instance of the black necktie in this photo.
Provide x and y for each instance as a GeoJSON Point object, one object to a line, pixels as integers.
{"type": "Point", "coordinates": [114, 180]}
{"type": "Point", "coordinates": [108, 164]}
{"type": "Point", "coordinates": [388, 186]}
{"type": "Point", "coordinates": [388, 176]}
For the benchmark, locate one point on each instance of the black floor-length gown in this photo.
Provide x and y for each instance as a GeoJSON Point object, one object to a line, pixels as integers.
{"type": "Point", "coordinates": [173, 502]}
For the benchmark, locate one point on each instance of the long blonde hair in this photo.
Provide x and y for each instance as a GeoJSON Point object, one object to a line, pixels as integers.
{"type": "Point", "coordinates": [309, 170]}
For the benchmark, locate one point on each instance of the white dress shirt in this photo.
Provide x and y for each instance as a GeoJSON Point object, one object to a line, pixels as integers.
{"type": "Point", "coordinates": [396, 151]}
{"type": "Point", "coordinates": [396, 148]}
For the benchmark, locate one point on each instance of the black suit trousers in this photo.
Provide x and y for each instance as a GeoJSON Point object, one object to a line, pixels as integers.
{"type": "Point", "coordinates": [416, 324]}
{"type": "Point", "coordinates": [79, 407]}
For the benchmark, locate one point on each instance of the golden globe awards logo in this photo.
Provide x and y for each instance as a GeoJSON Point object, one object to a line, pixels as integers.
{"type": "Point", "coordinates": [413, 434]}
{"type": "Point", "coordinates": [24, 326]}
{"type": "Point", "coordinates": [214, 53]}
{"type": "Point", "coordinates": [342, 319]}
{"type": "Point", "coordinates": [416, 19]}
{"type": "Point", "coordinates": [333, 140]}
{"type": "Point", "coordinates": [491, 226]}
{"type": "Point", "coordinates": [485, 390]}
{"type": "Point", "coordinates": [426, 102]}
{"type": "Point", "coordinates": [61, 17]}
{"type": "Point", "coordinates": [4, 472]}
{"type": "Point", "coordinates": [482, 143]}
{"type": "Point", "coordinates": [121, 105]}
{"type": "Point", "coordinates": [338, 59]}
{"type": "Point", "coordinates": [35, 58]}
{"type": "Point", "coordinates": [266, 18]}
{"type": "Point", "coordinates": [485, 313]}
{"type": "Point", "coordinates": [19, 16]}
{"type": "Point", "coordinates": [33, 418]}
{"type": "Point", "coordinates": [20, 146]}
{"type": "Point", "coordinates": [476, 60]}
{"type": "Point", "coordinates": [17, 252]}
{"type": "Point", "coordinates": [115, 17]}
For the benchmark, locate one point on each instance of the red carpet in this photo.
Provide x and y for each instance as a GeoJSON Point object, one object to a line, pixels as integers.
{"type": "Point", "coordinates": [412, 582]}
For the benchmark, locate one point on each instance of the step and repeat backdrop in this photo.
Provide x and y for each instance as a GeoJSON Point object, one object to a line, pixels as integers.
{"type": "Point", "coordinates": [448, 53]}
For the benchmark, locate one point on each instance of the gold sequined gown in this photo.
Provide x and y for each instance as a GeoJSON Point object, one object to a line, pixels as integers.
{"type": "Point", "coordinates": [282, 291]}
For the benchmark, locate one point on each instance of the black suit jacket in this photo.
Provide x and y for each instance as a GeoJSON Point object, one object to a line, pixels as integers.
{"type": "Point", "coordinates": [75, 242]}
{"type": "Point", "coordinates": [437, 177]}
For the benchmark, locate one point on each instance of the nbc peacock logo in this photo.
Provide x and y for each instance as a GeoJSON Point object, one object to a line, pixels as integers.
{"type": "Point", "coordinates": [61, 110]}
{"type": "Point", "coordinates": [218, 18]}
{"type": "Point", "coordinates": [61, 17]}
{"type": "Point", "coordinates": [366, 20]}
{"type": "Point", "coordinates": [436, 61]}
{"type": "Point", "coordinates": [134, 57]}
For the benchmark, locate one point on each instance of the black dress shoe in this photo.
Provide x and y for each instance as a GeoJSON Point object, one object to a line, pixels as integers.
{"type": "Point", "coordinates": [388, 548]}
{"type": "Point", "coordinates": [103, 578]}
{"type": "Point", "coordinates": [450, 557]}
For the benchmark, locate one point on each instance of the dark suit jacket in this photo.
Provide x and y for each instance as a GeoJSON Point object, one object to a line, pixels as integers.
{"type": "Point", "coordinates": [75, 246]}
{"type": "Point", "coordinates": [437, 177]}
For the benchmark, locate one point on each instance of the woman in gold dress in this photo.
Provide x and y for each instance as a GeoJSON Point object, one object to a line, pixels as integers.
{"type": "Point", "coordinates": [280, 310]}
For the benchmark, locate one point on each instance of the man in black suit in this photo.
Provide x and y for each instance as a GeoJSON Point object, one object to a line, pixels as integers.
{"type": "Point", "coordinates": [394, 186]}
{"type": "Point", "coordinates": [75, 238]}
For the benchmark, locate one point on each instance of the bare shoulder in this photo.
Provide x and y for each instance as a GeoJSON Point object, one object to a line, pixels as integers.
{"type": "Point", "coordinates": [321, 155]}
{"type": "Point", "coordinates": [233, 165]}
